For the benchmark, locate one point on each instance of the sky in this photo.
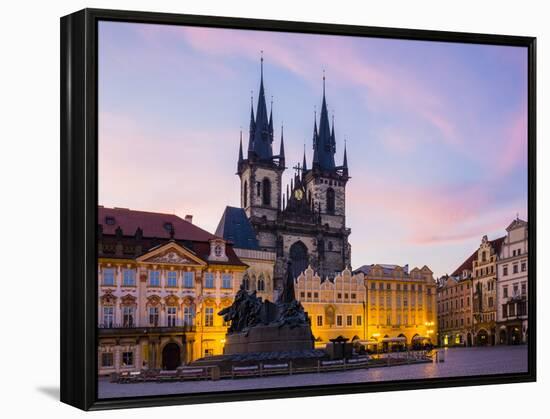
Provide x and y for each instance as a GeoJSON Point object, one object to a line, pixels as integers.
{"type": "Point", "coordinates": [436, 132]}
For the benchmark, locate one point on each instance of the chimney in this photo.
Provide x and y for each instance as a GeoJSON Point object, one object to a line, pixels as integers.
{"type": "Point", "coordinates": [189, 218]}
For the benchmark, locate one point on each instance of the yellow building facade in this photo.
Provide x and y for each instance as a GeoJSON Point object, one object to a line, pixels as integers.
{"type": "Point", "coordinates": [379, 305]}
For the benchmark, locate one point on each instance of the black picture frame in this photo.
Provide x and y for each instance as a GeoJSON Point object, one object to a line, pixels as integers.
{"type": "Point", "coordinates": [79, 206]}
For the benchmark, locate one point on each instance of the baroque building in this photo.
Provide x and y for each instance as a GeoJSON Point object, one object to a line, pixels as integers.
{"type": "Point", "coordinates": [512, 268]}
{"type": "Point", "coordinates": [161, 282]}
{"type": "Point", "coordinates": [484, 279]}
{"type": "Point", "coordinates": [454, 306]}
{"type": "Point", "coordinates": [335, 307]}
{"type": "Point", "coordinates": [401, 305]}
{"type": "Point", "coordinates": [306, 224]}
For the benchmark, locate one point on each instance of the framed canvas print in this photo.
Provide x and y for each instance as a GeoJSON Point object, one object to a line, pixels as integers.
{"type": "Point", "coordinates": [257, 209]}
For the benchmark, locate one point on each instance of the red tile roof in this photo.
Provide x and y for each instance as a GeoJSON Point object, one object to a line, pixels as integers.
{"type": "Point", "coordinates": [153, 224]}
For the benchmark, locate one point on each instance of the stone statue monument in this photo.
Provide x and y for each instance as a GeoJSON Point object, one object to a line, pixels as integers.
{"type": "Point", "coordinates": [263, 326]}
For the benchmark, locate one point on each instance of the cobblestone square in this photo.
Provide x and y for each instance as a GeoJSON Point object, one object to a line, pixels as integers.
{"type": "Point", "coordinates": [458, 362]}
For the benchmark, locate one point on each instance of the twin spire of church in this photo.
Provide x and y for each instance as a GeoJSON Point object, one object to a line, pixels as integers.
{"type": "Point", "coordinates": [261, 135]}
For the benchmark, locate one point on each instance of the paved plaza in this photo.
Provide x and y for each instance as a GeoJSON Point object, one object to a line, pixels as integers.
{"type": "Point", "coordinates": [458, 362]}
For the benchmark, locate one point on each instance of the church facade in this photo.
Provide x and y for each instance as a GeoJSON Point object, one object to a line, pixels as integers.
{"type": "Point", "coordinates": [304, 223]}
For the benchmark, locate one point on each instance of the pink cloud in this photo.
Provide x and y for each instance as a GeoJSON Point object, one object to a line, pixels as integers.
{"type": "Point", "coordinates": [514, 150]}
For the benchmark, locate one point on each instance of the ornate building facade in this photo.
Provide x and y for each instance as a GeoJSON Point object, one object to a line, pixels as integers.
{"type": "Point", "coordinates": [512, 268]}
{"type": "Point", "coordinates": [336, 307]}
{"type": "Point", "coordinates": [484, 282]}
{"type": "Point", "coordinates": [307, 223]}
{"type": "Point", "coordinates": [161, 282]}
{"type": "Point", "coordinates": [400, 304]}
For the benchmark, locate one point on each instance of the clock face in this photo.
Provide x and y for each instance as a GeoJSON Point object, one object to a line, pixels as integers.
{"type": "Point", "coordinates": [298, 194]}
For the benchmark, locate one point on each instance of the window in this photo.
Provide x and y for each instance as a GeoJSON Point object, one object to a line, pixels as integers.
{"type": "Point", "coordinates": [388, 318]}
{"type": "Point", "coordinates": [505, 270]}
{"type": "Point", "coordinates": [127, 359]}
{"type": "Point", "coordinates": [512, 310]}
{"type": "Point", "coordinates": [258, 188]}
{"type": "Point", "coordinates": [504, 311]}
{"type": "Point", "coordinates": [339, 295]}
{"type": "Point", "coordinates": [330, 246]}
{"type": "Point", "coordinates": [330, 200]}
{"type": "Point", "coordinates": [505, 292]}
{"type": "Point", "coordinates": [523, 266]}
{"type": "Point", "coordinates": [217, 251]}
{"type": "Point", "coordinates": [108, 276]}
{"type": "Point", "coordinates": [128, 316]}
{"type": "Point", "coordinates": [226, 281]}
{"type": "Point", "coordinates": [519, 252]}
{"type": "Point", "coordinates": [128, 277]}
{"type": "Point", "coordinates": [188, 279]}
{"type": "Point", "coordinates": [353, 296]}
{"type": "Point", "coordinates": [319, 320]}
{"type": "Point", "coordinates": [399, 319]}
{"type": "Point", "coordinates": [108, 316]}
{"type": "Point", "coordinates": [208, 280]}
{"type": "Point", "coordinates": [172, 279]}
{"type": "Point", "coordinates": [245, 194]}
{"type": "Point", "coordinates": [339, 320]}
{"type": "Point", "coordinates": [309, 294]}
{"type": "Point", "coordinates": [208, 352]}
{"type": "Point", "coordinates": [154, 316]}
{"type": "Point", "coordinates": [315, 295]}
{"type": "Point", "coordinates": [523, 288]}
{"type": "Point", "coordinates": [358, 320]}
{"type": "Point", "coordinates": [154, 278]}
{"type": "Point", "coordinates": [349, 320]}
{"type": "Point", "coordinates": [171, 316]}
{"type": "Point", "coordinates": [266, 192]}
{"type": "Point", "coordinates": [483, 256]}
{"type": "Point", "coordinates": [261, 283]}
{"type": "Point", "coordinates": [515, 268]}
{"type": "Point", "coordinates": [107, 359]}
{"type": "Point", "coordinates": [490, 301]}
{"type": "Point", "coordinates": [188, 316]}
{"type": "Point", "coordinates": [209, 316]}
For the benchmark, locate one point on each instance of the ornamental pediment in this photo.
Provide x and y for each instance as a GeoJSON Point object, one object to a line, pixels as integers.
{"type": "Point", "coordinates": [171, 258]}
{"type": "Point", "coordinates": [171, 254]}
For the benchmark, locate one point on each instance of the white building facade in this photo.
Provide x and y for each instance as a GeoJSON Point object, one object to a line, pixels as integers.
{"type": "Point", "coordinates": [512, 292]}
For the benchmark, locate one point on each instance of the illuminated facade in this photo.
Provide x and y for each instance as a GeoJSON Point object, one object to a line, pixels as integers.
{"type": "Point", "coordinates": [335, 307]}
{"type": "Point", "coordinates": [161, 282]}
{"type": "Point", "coordinates": [400, 304]}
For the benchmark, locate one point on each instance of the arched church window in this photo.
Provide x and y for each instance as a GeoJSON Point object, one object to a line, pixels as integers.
{"type": "Point", "coordinates": [299, 258]}
{"type": "Point", "coordinates": [266, 192]}
{"type": "Point", "coordinates": [245, 194]}
{"type": "Point", "coordinates": [261, 283]}
{"type": "Point", "coordinates": [246, 282]}
{"type": "Point", "coordinates": [330, 200]}
{"type": "Point", "coordinates": [258, 188]}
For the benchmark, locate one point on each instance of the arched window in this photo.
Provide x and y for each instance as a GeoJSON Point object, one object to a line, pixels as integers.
{"type": "Point", "coordinates": [266, 192]}
{"type": "Point", "coordinates": [299, 258]}
{"type": "Point", "coordinates": [330, 201]}
{"type": "Point", "coordinates": [261, 283]}
{"type": "Point", "coordinates": [246, 282]}
{"type": "Point", "coordinates": [330, 246]}
{"type": "Point", "coordinates": [245, 194]}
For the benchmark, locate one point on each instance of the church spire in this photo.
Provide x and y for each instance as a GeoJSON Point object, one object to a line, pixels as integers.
{"type": "Point", "coordinates": [241, 148]}
{"type": "Point", "coordinates": [262, 136]}
{"type": "Point", "coordinates": [326, 144]}
{"type": "Point", "coordinates": [315, 140]}
{"type": "Point", "coordinates": [252, 128]}
{"type": "Point", "coordinates": [282, 149]}
{"type": "Point", "coordinates": [304, 162]}
{"type": "Point", "coordinates": [345, 170]}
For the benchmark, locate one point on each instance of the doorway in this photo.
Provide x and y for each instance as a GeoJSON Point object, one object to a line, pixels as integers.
{"type": "Point", "coordinates": [171, 356]}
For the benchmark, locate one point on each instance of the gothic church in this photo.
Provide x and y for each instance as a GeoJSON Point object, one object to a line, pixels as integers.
{"type": "Point", "coordinates": [305, 224]}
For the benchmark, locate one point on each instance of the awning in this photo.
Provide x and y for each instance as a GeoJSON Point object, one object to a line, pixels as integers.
{"type": "Point", "coordinates": [421, 338]}
{"type": "Point", "coordinates": [396, 340]}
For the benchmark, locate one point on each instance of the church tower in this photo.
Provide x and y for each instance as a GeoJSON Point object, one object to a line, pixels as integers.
{"type": "Point", "coordinates": [261, 171]}
{"type": "Point", "coordinates": [326, 182]}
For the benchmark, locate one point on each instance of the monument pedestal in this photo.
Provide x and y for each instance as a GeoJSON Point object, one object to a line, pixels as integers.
{"type": "Point", "coordinates": [269, 338]}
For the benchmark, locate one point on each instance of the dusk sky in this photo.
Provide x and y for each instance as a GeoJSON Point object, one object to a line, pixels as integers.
{"type": "Point", "coordinates": [436, 132]}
